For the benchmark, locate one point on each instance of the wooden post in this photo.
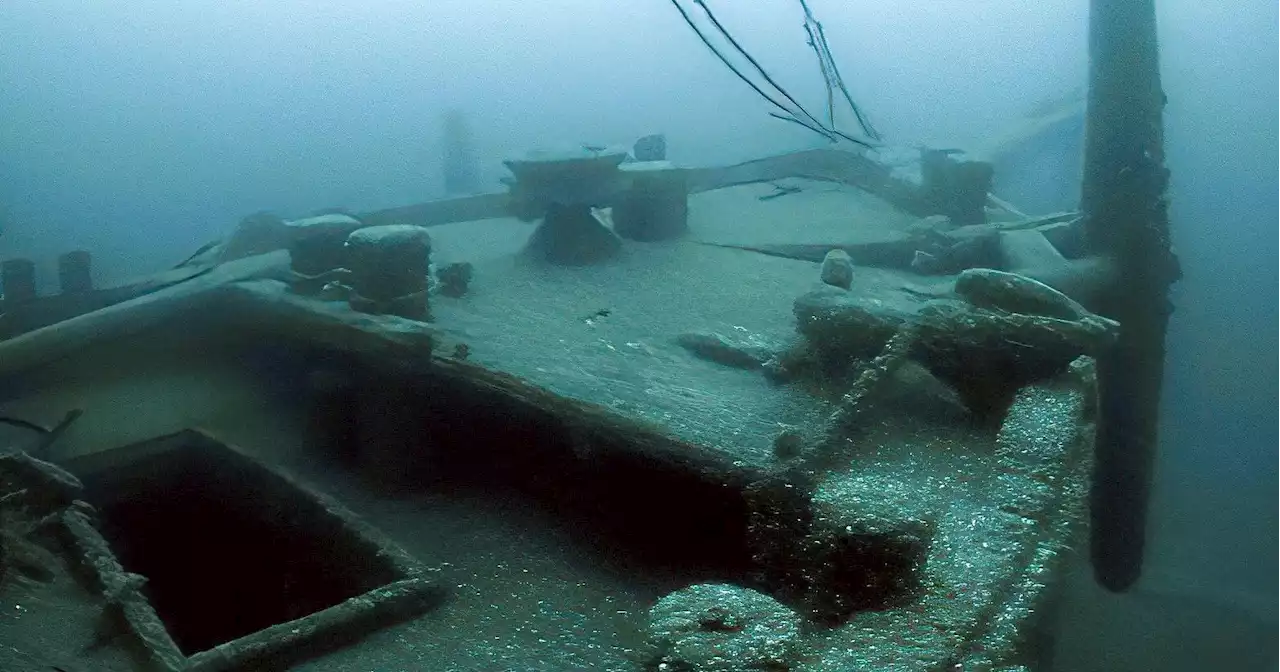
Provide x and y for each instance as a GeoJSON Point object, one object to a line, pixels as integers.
{"type": "Point", "coordinates": [18, 280]}
{"type": "Point", "coordinates": [461, 175]}
{"type": "Point", "coordinates": [656, 206]}
{"type": "Point", "coordinates": [1126, 220]}
{"type": "Point", "coordinates": [75, 272]}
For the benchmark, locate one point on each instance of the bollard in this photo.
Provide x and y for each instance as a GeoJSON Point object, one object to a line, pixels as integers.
{"type": "Point", "coordinates": [656, 207]}
{"type": "Point", "coordinates": [75, 272]}
{"type": "Point", "coordinates": [18, 280]}
{"type": "Point", "coordinates": [389, 268]}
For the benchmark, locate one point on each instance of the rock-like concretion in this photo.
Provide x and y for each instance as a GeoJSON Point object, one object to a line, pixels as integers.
{"type": "Point", "coordinates": [841, 326]}
{"type": "Point", "coordinates": [982, 347]}
{"type": "Point", "coordinates": [455, 278]}
{"type": "Point", "coordinates": [999, 290]}
{"type": "Point", "coordinates": [837, 269]}
{"type": "Point", "coordinates": [651, 148]}
{"type": "Point", "coordinates": [868, 545]}
{"type": "Point", "coordinates": [715, 627]}
{"type": "Point", "coordinates": [987, 355]}
{"type": "Point", "coordinates": [256, 234]}
{"type": "Point", "coordinates": [578, 177]}
{"type": "Point", "coordinates": [749, 352]}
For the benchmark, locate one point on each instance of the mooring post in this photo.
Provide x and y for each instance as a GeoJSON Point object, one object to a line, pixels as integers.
{"type": "Point", "coordinates": [655, 206]}
{"type": "Point", "coordinates": [18, 280]}
{"type": "Point", "coordinates": [1126, 220]}
{"type": "Point", "coordinates": [389, 268]}
{"type": "Point", "coordinates": [75, 272]}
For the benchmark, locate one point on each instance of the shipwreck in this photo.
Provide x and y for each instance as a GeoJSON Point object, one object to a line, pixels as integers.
{"type": "Point", "coordinates": [848, 461]}
{"type": "Point", "coordinates": [817, 411]}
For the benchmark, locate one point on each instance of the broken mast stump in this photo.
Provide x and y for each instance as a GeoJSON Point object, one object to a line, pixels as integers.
{"type": "Point", "coordinates": [1127, 222]}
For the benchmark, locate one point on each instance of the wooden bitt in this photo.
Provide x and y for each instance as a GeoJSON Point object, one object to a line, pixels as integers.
{"type": "Point", "coordinates": [588, 177]}
{"type": "Point", "coordinates": [75, 272]}
{"type": "Point", "coordinates": [656, 206]}
{"type": "Point", "coordinates": [389, 268]}
{"type": "Point", "coordinates": [18, 280]}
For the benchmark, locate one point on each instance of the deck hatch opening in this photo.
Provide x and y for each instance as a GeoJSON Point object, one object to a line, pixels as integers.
{"type": "Point", "coordinates": [228, 546]}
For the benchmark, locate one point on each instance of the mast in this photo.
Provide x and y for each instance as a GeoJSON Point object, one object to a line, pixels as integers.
{"type": "Point", "coordinates": [1126, 221]}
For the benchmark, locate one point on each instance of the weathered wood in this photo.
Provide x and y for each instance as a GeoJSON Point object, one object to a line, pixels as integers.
{"type": "Point", "coordinates": [1126, 220]}
{"type": "Point", "coordinates": [1028, 249]}
{"type": "Point", "coordinates": [818, 164]}
{"type": "Point", "coordinates": [408, 589]}
{"type": "Point", "coordinates": [126, 603]}
{"type": "Point", "coordinates": [331, 628]}
{"type": "Point", "coordinates": [1080, 279]}
{"type": "Point", "coordinates": [266, 309]}
{"type": "Point", "coordinates": [1039, 221]}
{"type": "Point", "coordinates": [883, 254]}
{"type": "Point", "coordinates": [44, 311]}
{"type": "Point", "coordinates": [17, 281]}
{"type": "Point", "coordinates": [996, 201]}
{"type": "Point", "coordinates": [188, 297]}
{"type": "Point", "coordinates": [75, 272]}
{"type": "Point", "coordinates": [434, 213]}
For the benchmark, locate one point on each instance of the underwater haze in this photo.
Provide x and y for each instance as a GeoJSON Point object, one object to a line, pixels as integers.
{"type": "Point", "coordinates": [142, 130]}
